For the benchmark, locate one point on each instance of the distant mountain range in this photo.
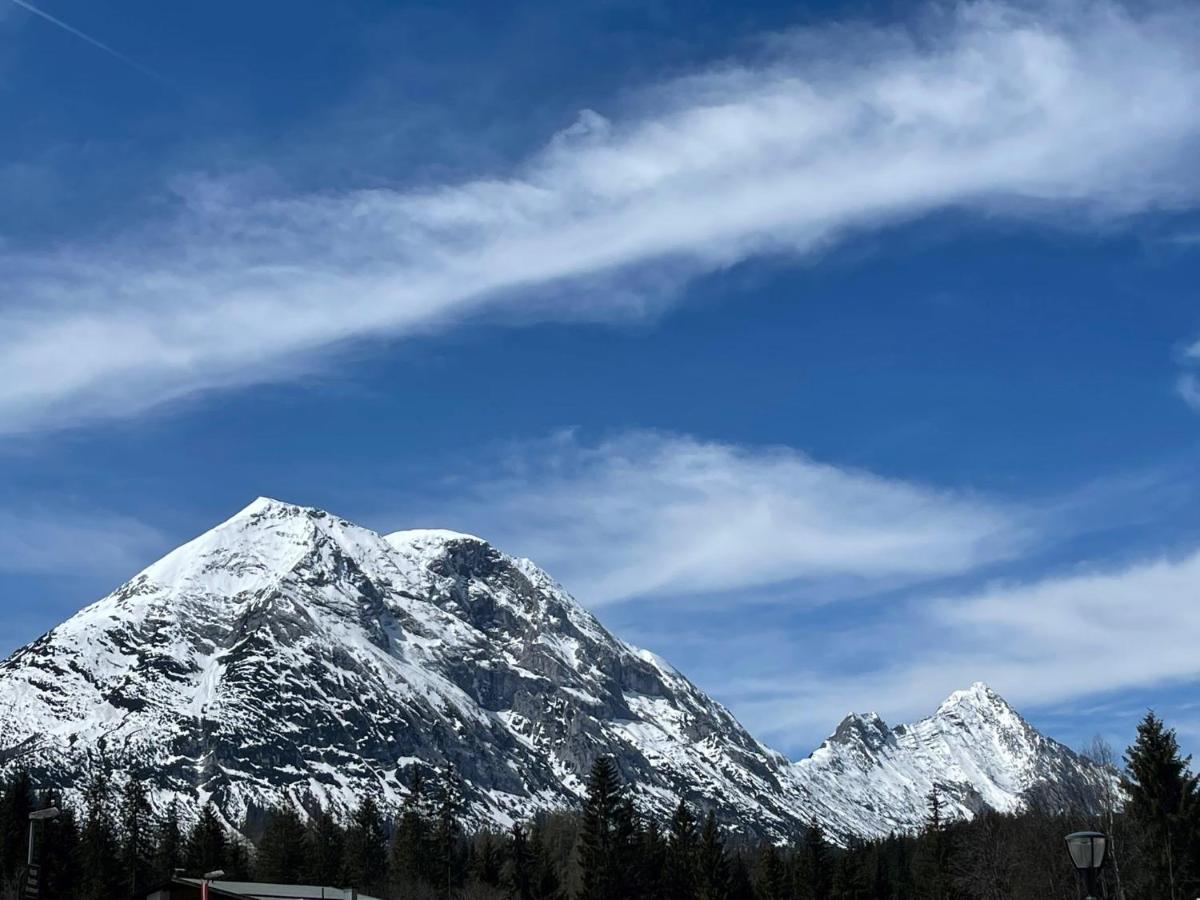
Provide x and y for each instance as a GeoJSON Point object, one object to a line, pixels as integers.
{"type": "Point", "coordinates": [290, 654]}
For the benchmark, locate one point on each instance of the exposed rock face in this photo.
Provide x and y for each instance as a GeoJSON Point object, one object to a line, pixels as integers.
{"type": "Point", "coordinates": [288, 653]}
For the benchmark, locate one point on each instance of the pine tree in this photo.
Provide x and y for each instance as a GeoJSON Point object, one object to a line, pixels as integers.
{"type": "Point", "coordinates": [445, 837]}
{"type": "Point", "coordinates": [741, 885]}
{"type": "Point", "coordinates": [100, 878]}
{"type": "Point", "coordinates": [282, 851]}
{"type": "Point", "coordinates": [772, 874]}
{"type": "Point", "coordinates": [487, 858]}
{"type": "Point", "coordinates": [627, 838]}
{"type": "Point", "coordinates": [813, 869]}
{"type": "Point", "coordinates": [682, 851]}
{"type": "Point", "coordinates": [137, 839]}
{"type": "Point", "coordinates": [324, 850]}
{"type": "Point", "coordinates": [16, 802]}
{"type": "Point", "coordinates": [713, 867]}
{"type": "Point", "coordinates": [849, 878]}
{"type": "Point", "coordinates": [1163, 807]}
{"type": "Point", "coordinates": [933, 858]}
{"type": "Point", "coordinates": [652, 861]}
{"type": "Point", "coordinates": [366, 847]}
{"type": "Point", "coordinates": [59, 855]}
{"type": "Point", "coordinates": [237, 865]}
{"type": "Point", "coordinates": [168, 854]}
{"type": "Point", "coordinates": [518, 868]}
{"type": "Point", "coordinates": [204, 849]}
{"type": "Point", "coordinates": [410, 843]}
{"type": "Point", "coordinates": [546, 884]}
{"type": "Point", "coordinates": [598, 833]}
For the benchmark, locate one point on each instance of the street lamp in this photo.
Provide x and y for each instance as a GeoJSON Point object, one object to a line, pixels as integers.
{"type": "Point", "coordinates": [1088, 849]}
{"type": "Point", "coordinates": [39, 815]}
{"type": "Point", "coordinates": [209, 877]}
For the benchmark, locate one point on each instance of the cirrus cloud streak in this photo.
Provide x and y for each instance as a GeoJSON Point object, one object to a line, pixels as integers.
{"type": "Point", "coordinates": [1083, 112]}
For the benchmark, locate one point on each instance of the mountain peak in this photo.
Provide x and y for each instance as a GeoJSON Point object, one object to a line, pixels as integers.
{"type": "Point", "coordinates": [861, 728]}
{"type": "Point", "coordinates": [977, 696]}
{"type": "Point", "coordinates": [255, 546]}
{"type": "Point", "coordinates": [288, 653]}
{"type": "Point", "coordinates": [976, 749]}
{"type": "Point", "coordinates": [269, 507]}
{"type": "Point", "coordinates": [264, 504]}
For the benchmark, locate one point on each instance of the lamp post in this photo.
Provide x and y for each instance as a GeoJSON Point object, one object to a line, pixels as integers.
{"type": "Point", "coordinates": [1088, 849]}
{"type": "Point", "coordinates": [39, 815]}
{"type": "Point", "coordinates": [33, 887]}
{"type": "Point", "coordinates": [209, 877]}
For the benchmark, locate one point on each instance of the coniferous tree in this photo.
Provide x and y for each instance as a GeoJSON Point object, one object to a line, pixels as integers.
{"type": "Point", "coordinates": [238, 865]}
{"type": "Point", "coordinates": [99, 877]}
{"type": "Point", "coordinates": [137, 838]}
{"type": "Point", "coordinates": [59, 855]}
{"type": "Point", "coordinates": [933, 859]}
{"type": "Point", "coordinates": [324, 848]}
{"type": "Point", "coordinates": [1163, 807]}
{"type": "Point", "coordinates": [772, 874]}
{"type": "Point", "coordinates": [366, 847]}
{"type": "Point", "coordinates": [487, 858]}
{"type": "Point", "coordinates": [682, 846]}
{"type": "Point", "coordinates": [741, 885]}
{"type": "Point", "coordinates": [410, 842]}
{"type": "Point", "coordinates": [518, 867]}
{"type": "Point", "coordinates": [813, 869]}
{"type": "Point", "coordinates": [282, 850]}
{"type": "Point", "coordinates": [652, 861]}
{"type": "Point", "coordinates": [547, 882]}
{"type": "Point", "coordinates": [598, 833]}
{"type": "Point", "coordinates": [445, 846]}
{"type": "Point", "coordinates": [627, 841]}
{"type": "Point", "coordinates": [168, 854]}
{"type": "Point", "coordinates": [713, 863]}
{"type": "Point", "coordinates": [848, 879]}
{"type": "Point", "coordinates": [204, 848]}
{"type": "Point", "coordinates": [16, 802]}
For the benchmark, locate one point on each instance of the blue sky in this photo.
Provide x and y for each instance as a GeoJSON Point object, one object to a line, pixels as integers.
{"type": "Point", "coordinates": [843, 354]}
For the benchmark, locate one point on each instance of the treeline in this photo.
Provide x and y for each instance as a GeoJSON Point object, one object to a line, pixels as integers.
{"type": "Point", "coordinates": [114, 848]}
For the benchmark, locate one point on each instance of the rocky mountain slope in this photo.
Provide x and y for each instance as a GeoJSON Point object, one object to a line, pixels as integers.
{"type": "Point", "coordinates": [869, 779]}
{"type": "Point", "coordinates": [291, 654]}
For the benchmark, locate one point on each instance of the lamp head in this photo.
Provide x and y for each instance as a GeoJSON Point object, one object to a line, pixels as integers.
{"type": "Point", "coordinates": [216, 873]}
{"type": "Point", "coordinates": [1087, 849]}
{"type": "Point", "coordinates": [51, 812]}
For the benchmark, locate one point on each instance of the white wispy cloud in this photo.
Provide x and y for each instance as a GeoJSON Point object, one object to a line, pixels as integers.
{"type": "Point", "coordinates": [1039, 642]}
{"type": "Point", "coordinates": [1081, 111]}
{"type": "Point", "coordinates": [646, 513]}
{"type": "Point", "coordinates": [1187, 385]}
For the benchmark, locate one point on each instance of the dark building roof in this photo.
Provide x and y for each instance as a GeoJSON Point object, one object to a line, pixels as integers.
{"type": "Point", "coordinates": [190, 889]}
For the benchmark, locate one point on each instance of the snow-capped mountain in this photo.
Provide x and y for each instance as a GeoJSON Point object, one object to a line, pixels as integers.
{"type": "Point", "coordinates": [867, 779]}
{"type": "Point", "coordinates": [290, 654]}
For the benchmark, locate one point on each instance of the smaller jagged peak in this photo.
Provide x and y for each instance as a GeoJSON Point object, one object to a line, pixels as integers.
{"type": "Point", "coordinates": [861, 728]}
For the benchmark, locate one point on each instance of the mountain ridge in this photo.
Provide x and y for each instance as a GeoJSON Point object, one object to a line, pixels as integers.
{"type": "Point", "coordinates": [289, 654]}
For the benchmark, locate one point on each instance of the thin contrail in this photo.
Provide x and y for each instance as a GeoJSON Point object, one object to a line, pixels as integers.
{"type": "Point", "coordinates": [91, 40]}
